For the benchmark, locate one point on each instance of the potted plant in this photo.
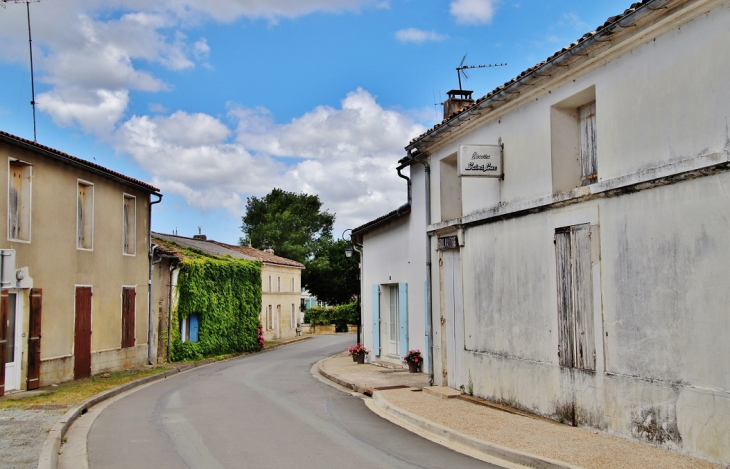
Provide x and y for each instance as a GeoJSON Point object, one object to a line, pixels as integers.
{"type": "Point", "coordinates": [414, 360]}
{"type": "Point", "coordinates": [358, 353]}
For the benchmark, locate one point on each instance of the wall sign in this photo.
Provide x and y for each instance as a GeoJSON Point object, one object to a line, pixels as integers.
{"type": "Point", "coordinates": [481, 161]}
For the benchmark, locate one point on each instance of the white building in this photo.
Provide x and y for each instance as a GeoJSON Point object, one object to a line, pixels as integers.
{"type": "Point", "coordinates": [590, 283]}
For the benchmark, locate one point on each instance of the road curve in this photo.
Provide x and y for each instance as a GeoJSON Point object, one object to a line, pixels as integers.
{"type": "Point", "coordinates": [263, 410]}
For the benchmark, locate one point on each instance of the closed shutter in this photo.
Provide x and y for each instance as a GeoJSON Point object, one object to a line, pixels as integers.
{"type": "Point", "coordinates": [376, 320]}
{"type": "Point", "coordinates": [588, 158]}
{"type": "Point", "coordinates": [34, 338]}
{"type": "Point", "coordinates": [129, 296]}
{"type": "Point", "coordinates": [193, 328]}
{"type": "Point", "coordinates": [565, 297]}
{"type": "Point", "coordinates": [403, 319]}
{"type": "Point", "coordinates": [82, 337]}
{"type": "Point", "coordinates": [3, 337]}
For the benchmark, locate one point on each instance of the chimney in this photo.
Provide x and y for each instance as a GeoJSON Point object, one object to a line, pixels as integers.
{"type": "Point", "coordinates": [269, 250]}
{"type": "Point", "coordinates": [458, 100]}
{"type": "Point", "coordinates": [200, 236]}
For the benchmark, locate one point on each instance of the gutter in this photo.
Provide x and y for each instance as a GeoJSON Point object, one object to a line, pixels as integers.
{"type": "Point", "coordinates": [152, 248]}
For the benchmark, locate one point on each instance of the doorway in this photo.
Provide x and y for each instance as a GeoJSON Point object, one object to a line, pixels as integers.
{"type": "Point", "coordinates": [453, 316]}
{"type": "Point", "coordinates": [392, 325]}
{"type": "Point", "coordinates": [13, 330]}
{"type": "Point", "coordinates": [82, 337]}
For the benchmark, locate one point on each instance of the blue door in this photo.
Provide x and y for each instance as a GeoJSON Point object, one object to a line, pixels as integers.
{"type": "Point", "coordinates": [193, 335]}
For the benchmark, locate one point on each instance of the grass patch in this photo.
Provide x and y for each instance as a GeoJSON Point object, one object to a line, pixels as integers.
{"type": "Point", "coordinates": [71, 393]}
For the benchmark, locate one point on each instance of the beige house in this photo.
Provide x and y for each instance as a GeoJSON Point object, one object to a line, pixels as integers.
{"type": "Point", "coordinates": [75, 258]}
{"type": "Point", "coordinates": [281, 284]}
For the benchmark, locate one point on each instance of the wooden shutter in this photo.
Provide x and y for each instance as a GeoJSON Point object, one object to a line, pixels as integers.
{"type": "Point", "coordinates": [585, 347]}
{"type": "Point", "coordinates": [376, 319]}
{"type": "Point", "coordinates": [82, 338]}
{"type": "Point", "coordinates": [34, 338]}
{"type": "Point", "coordinates": [588, 159]}
{"type": "Point", "coordinates": [576, 341]}
{"type": "Point", "coordinates": [403, 319]}
{"type": "Point", "coordinates": [565, 297]}
{"type": "Point", "coordinates": [3, 337]}
{"type": "Point", "coordinates": [129, 296]}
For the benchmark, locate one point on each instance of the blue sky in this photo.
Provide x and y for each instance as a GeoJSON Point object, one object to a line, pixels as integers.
{"type": "Point", "coordinates": [215, 101]}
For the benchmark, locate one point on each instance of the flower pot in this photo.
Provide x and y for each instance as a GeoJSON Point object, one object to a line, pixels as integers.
{"type": "Point", "coordinates": [413, 367]}
{"type": "Point", "coordinates": [354, 358]}
{"type": "Point", "coordinates": [361, 359]}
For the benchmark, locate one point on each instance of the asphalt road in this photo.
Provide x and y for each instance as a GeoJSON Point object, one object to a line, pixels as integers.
{"type": "Point", "coordinates": [263, 411]}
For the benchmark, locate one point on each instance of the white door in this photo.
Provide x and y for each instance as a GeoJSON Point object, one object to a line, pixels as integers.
{"type": "Point", "coordinates": [13, 351]}
{"type": "Point", "coordinates": [393, 320]}
{"type": "Point", "coordinates": [454, 315]}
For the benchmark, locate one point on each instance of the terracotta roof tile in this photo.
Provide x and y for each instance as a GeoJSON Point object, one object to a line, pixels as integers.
{"type": "Point", "coordinates": [262, 256]}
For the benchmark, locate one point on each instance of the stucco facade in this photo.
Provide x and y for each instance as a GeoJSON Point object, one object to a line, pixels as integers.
{"type": "Point", "coordinates": [59, 263]}
{"type": "Point", "coordinates": [593, 297]}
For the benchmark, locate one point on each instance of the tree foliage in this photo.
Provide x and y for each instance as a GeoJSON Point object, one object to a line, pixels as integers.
{"type": "Point", "coordinates": [330, 276]}
{"type": "Point", "coordinates": [289, 223]}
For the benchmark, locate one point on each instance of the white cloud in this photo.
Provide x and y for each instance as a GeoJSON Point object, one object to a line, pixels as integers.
{"type": "Point", "coordinates": [418, 36]}
{"type": "Point", "coordinates": [473, 11]}
{"type": "Point", "coordinates": [345, 155]}
{"type": "Point", "coordinates": [95, 112]}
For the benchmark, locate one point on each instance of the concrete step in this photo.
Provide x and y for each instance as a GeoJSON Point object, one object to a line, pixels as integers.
{"type": "Point", "coordinates": [442, 392]}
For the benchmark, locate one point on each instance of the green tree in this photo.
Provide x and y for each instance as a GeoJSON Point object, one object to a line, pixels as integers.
{"type": "Point", "coordinates": [291, 224]}
{"type": "Point", "coordinates": [330, 275]}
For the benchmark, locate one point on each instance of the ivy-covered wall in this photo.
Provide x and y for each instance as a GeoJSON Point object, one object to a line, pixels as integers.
{"type": "Point", "coordinates": [226, 296]}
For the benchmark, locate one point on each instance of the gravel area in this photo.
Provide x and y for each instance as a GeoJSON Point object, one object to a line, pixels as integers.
{"type": "Point", "coordinates": [22, 434]}
{"type": "Point", "coordinates": [579, 446]}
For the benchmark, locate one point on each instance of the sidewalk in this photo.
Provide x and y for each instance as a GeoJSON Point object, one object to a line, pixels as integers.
{"type": "Point", "coordinates": [488, 432]}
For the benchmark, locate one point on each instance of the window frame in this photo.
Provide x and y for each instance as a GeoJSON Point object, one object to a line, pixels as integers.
{"type": "Point", "coordinates": [25, 212]}
{"type": "Point", "coordinates": [88, 208]}
{"type": "Point", "coordinates": [126, 228]}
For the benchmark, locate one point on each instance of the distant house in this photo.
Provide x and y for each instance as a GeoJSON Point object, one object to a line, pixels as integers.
{"type": "Point", "coordinates": [568, 232]}
{"type": "Point", "coordinates": [75, 301]}
{"type": "Point", "coordinates": [279, 294]}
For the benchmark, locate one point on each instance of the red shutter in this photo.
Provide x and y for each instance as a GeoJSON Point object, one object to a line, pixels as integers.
{"type": "Point", "coordinates": [129, 295]}
{"type": "Point", "coordinates": [34, 338]}
{"type": "Point", "coordinates": [82, 338]}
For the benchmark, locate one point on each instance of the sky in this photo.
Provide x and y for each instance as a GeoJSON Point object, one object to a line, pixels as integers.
{"type": "Point", "coordinates": [216, 101]}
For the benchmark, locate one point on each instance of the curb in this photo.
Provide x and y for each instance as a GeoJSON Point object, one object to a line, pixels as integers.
{"type": "Point", "coordinates": [52, 447]}
{"type": "Point", "coordinates": [456, 437]}
{"type": "Point", "coordinates": [443, 433]}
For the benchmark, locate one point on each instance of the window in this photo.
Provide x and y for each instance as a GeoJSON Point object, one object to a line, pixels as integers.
{"type": "Point", "coordinates": [190, 328]}
{"type": "Point", "coordinates": [576, 342]}
{"type": "Point", "coordinates": [450, 188]}
{"type": "Point", "coordinates": [269, 283]}
{"type": "Point", "coordinates": [129, 295]}
{"type": "Point", "coordinates": [85, 215]}
{"type": "Point", "coordinates": [573, 141]}
{"type": "Point", "coordinates": [293, 322]}
{"type": "Point", "coordinates": [129, 220]}
{"type": "Point", "coordinates": [270, 317]}
{"type": "Point", "coordinates": [292, 285]}
{"type": "Point", "coordinates": [278, 284]}
{"type": "Point", "coordinates": [19, 182]}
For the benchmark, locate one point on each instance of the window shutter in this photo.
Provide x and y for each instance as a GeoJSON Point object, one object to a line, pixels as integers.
{"type": "Point", "coordinates": [585, 347]}
{"type": "Point", "coordinates": [403, 318]}
{"type": "Point", "coordinates": [129, 296]}
{"type": "Point", "coordinates": [376, 320]}
{"type": "Point", "coordinates": [34, 338]}
{"type": "Point", "coordinates": [3, 337]}
{"type": "Point", "coordinates": [565, 297]}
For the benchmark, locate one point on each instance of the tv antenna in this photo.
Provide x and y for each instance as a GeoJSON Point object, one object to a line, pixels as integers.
{"type": "Point", "coordinates": [30, 48]}
{"type": "Point", "coordinates": [460, 69]}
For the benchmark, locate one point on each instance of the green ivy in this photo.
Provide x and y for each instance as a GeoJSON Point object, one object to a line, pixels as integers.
{"type": "Point", "coordinates": [225, 293]}
{"type": "Point", "coordinates": [340, 316]}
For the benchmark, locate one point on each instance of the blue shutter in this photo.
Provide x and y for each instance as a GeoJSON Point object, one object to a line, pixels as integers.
{"type": "Point", "coordinates": [376, 319]}
{"type": "Point", "coordinates": [403, 318]}
{"type": "Point", "coordinates": [193, 334]}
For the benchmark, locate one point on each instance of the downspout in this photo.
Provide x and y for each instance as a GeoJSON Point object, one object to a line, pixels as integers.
{"type": "Point", "coordinates": [152, 248]}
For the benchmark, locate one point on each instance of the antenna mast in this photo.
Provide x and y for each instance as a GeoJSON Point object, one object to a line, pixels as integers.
{"type": "Point", "coordinates": [460, 69]}
{"type": "Point", "coordinates": [30, 48]}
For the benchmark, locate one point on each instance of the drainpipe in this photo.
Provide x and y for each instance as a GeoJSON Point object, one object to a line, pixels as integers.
{"type": "Point", "coordinates": [152, 248]}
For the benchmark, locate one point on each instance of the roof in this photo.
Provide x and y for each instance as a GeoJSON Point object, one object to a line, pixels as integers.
{"type": "Point", "coordinates": [217, 248]}
{"type": "Point", "coordinates": [263, 256]}
{"type": "Point", "coordinates": [557, 64]}
{"type": "Point", "coordinates": [205, 246]}
{"type": "Point", "coordinates": [371, 225]}
{"type": "Point", "coordinates": [78, 162]}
